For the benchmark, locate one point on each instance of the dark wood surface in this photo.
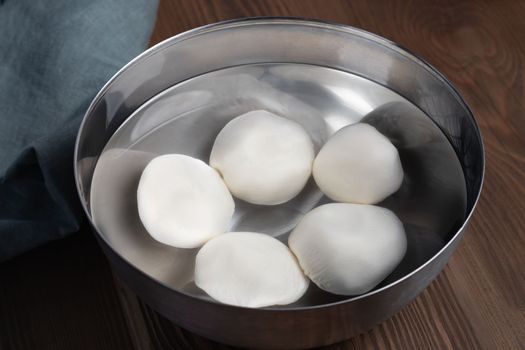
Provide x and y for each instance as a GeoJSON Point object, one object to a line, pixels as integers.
{"type": "Point", "coordinates": [63, 296]}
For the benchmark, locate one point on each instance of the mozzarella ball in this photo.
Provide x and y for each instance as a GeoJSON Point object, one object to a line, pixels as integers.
{"type": "Point", "coordinates": [263, 158]}
{"type": "Point", "coordinates": [249, 269]}
{"type": "Point", "coordinates": [347, 249]}
{"type": "Point", "coordinates": [358, 165]}
{"type": "Point", "coordinates": [182, 201]}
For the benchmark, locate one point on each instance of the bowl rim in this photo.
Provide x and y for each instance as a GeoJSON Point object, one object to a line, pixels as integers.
{"type": "Point", "coordinates": [269, 20]}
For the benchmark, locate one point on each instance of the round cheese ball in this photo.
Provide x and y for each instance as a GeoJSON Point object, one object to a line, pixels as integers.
{"type": "Point", "coordinates": [249, 269]}
{"type": "Point", "coordinates": [348, 249]}
{"type": "Point", "coordinates": [263, 158]}
{"type": "Point", "coordinates": [182, 201]}
{"type": "Point", "coordinates": [358, 165]}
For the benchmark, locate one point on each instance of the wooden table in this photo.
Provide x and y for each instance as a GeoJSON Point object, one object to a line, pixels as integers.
{"type": "Point", "coordinates": [63, 296]}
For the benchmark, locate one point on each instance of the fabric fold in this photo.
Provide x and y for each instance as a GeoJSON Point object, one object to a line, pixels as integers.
{"type": "Point", "coordinates": [54, 57]}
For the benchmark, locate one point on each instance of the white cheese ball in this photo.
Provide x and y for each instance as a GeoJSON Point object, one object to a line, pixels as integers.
{"type": "Point", "coordinates": [182, 201]}
{"type": "Point", "coordinates": [348, 249]}
{"type": "Point", "coordinates": [249, 269]}
{"type": "Point", "coordinates": [263, 158]}
{"type": "Point", "coordinates": [358, 165]}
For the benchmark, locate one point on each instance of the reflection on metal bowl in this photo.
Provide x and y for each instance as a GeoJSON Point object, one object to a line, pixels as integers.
{"type": "Point", "coordinates": [441, 152]}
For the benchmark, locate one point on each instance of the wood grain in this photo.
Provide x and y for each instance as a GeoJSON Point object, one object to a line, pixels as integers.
{"type": "Point", "coordinates": [61, 297]}
{"type": "Point", "coordinates": [64, 297]}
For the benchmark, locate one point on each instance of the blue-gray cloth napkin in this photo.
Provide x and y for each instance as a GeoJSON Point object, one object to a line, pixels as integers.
{"type": "Point", "coordinates": [54, 57]}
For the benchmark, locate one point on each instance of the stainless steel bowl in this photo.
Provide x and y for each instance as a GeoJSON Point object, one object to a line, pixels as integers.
{"type": "Point", "coordinates": [278, 40]}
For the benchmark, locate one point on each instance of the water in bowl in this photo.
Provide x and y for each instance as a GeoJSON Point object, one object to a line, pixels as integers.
{"type": "Point", "coordinates": [186, 118]}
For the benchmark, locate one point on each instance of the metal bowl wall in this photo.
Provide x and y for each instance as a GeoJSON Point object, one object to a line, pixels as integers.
{"type": "Point", "coordinates": [267, 40]}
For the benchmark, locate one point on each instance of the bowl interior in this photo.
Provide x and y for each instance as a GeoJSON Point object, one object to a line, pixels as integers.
{"type": "Point", "coordinates": [182, 113]}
